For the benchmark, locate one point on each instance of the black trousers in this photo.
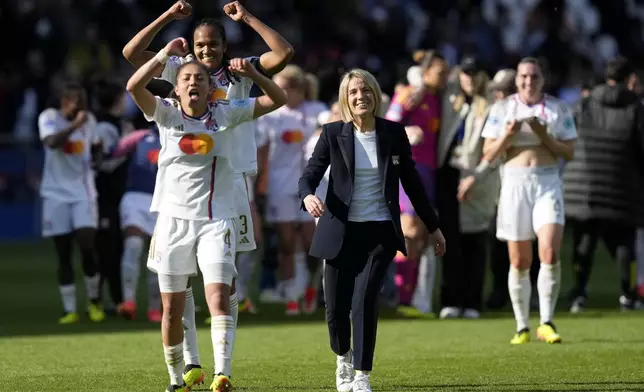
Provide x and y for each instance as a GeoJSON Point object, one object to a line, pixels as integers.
{"type": "Point", "coordinates": [352, 283]}
{"type": "Point", "coordinates": [109, 246]}
{"type": "Point", "coordinates": [463, 269]}
{"type": "Point", "coordinates": [620, 242]}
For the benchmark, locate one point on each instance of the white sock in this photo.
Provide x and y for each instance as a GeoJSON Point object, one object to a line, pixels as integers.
{"type": "Point", "coordinates": [245, 269]}
{"type": "Point", "coordinates": [291, 290]}
{"type": "Point", "coordinates": [423, 295]}
{"type": "Point", "coordinates": [131, 266]}
{"type": "Point", "coordinates": [154, 296]}
{"type": "Point", "coordinates": [301, 273]}
{"type": "Point", "coordinates": [68, 296]}
{"type": "Point", "coordinates": [520, 289]}
{"type": "Point", "coordinates": [234, 313]}
{"type": "Point", "coordinates": [91, 286]}
{"type": "Point", "coordinates": [222, 332]}
{"type": "Point", "coordinates": [548, 283]}
{"type": "Point", "coordinates": [190, 345]}
{"type": "Point", "coordinates": [174, 360]}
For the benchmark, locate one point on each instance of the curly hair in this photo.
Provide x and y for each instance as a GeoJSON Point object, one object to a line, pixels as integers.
{"type": "Point", "coordinates": [225, 61]}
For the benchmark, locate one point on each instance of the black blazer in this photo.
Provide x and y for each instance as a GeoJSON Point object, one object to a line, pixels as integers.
{"type": "Point", "coordinates": [336, 148]}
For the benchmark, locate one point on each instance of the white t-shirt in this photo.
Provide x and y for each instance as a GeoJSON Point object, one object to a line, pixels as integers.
{"type": "Point", "coordinates": [555, 113]}
{"type": "Point", "coordinates": [244, 159]}
{"type": "Point", "coordinates": [194, 178]}
{"type": "Point", "coordinates": [67, 174]}
{"type": "Point", "coordinates": [286, 131]}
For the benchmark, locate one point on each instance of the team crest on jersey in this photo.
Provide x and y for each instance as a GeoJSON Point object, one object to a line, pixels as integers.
{"type": "Point", "coordinates": [211, 124]}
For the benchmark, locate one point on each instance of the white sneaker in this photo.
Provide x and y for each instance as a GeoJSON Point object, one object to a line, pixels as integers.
{"type": "Point", "coordinates": [344, 373]}
{"type": "Point", "coordinates": [578, 305]}
{"type": "Point", "coordinates": [271, 296]}
{"type": "Point", "coordinates": [471, 314]}
{"type": "Point", "coordinates": [361, 384]}
{"type": "Point", "coordinates": [450, 312]}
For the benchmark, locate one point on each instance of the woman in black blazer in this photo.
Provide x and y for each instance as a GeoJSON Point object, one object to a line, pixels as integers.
{"type": "Point", "coordinates": [359, 233]}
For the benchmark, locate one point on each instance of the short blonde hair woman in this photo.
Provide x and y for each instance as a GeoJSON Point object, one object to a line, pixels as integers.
{"type": "Point", "coordinates": [359, 231]}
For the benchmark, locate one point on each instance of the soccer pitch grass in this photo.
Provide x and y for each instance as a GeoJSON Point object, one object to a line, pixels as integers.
{"type": "Point", "coordinates": [602, 350]}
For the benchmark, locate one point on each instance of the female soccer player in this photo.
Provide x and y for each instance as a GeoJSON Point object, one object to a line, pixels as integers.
{"type": "Point", "coordinates": [534, 131]}
{"type": "Point", "coordinates": [194, 171]}
{"type": "Point", "coordinates": [286, 132]}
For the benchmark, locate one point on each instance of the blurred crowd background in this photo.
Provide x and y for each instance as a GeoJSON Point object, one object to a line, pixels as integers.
{"type": "Point", "coordinates": [48, 42]}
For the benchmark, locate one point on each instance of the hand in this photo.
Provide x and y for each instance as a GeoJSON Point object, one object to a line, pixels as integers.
{"type": "Point", "coordinates": [177, 47]}
{"type": "Point", "coordinates": [464, 188]}
{"type": "Point", "coordinates": [512, 127]}
{"type": "Point", "coordinates": [438, 241]}
{"type": "Point", "coordinates": [179, 10]}
{"type": "Point", "coordinates": [414, 98]}
{"type": "Point", "coordinates": [314, 206]}
{"type": "Point", "coordinates": [80, 119]}
{"type": "Point", "coordinates": [236, 11]}
{"type": "Point", "coordinates": [537, 127]}
{"type": "Point", "coordinates": [242, 67]}
{"type": "Point", "coordinates": [414, 134]}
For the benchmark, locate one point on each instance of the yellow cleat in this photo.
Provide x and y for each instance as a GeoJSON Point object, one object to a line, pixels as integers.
{"type": "Point", "coordinates": [521, 337]}
{"type": "Point", "coordinates": [548, 334]}
{"type": "Point", "coordinates": [96, 313]}
{"type": "Point", "coordinates": [69, 318]}
{"type": "Point", "coordinates": [193, 375]}
{"type": "Point", "coordinates": [221, 383]}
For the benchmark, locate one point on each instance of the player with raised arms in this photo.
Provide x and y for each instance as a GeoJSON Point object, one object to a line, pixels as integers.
{"type": "Point", "coordinates": [195, 197]}
{"type": "Point", "coordinates": [209, 48]}
{"type": "Point", "coordinates": [531, 131]}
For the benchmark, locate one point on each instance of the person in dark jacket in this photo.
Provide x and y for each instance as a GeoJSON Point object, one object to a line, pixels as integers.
{"type": "Point", "coordinates": [601, 183]}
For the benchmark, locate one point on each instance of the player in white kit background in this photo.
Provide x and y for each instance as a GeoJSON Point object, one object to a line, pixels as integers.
{"type": "Point", "coordinates": [285, 132]}
{"type": "Point", "coordinates": [209, 48]}
{"type": "Point", "coordinates": [69, 210]}
{"type": "Point", "coordinates": [195, 198]}
{"type": "Point", "coordinates": [532, 131]}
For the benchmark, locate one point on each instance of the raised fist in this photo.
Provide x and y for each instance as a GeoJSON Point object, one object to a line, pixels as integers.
{"type": "Point", "coordinates": [177, 47]}
{"type": "Point", "coordinates": [235, 11]}
{"type": "Point", "coordinates": [180, 10]}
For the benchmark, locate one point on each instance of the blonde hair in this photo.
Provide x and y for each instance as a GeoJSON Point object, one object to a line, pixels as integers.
{"type": "Point", "coordinates": [312, 87]}
{"type": "Point", "coordinates": [343, 95]}
{"type": "Point", "coordinates": [293, 74]}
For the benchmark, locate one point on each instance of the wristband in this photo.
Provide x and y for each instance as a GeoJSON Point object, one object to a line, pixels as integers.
{"type": "Point", "coordinates": [482, 170]}
{"type": "Point", "coordinates": [162, 57]}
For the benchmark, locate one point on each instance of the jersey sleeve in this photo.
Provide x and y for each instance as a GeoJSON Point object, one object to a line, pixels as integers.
{"type": "Point", "coordinates": [397, 111]}
{"type": "Point", "coordinates": [163, 113]}
{"type": "Point", "coordinates": [47, 124]}
{"type": "Point", "coordinates": [493, 128]}
{"type": "Point", "coordinates": [236, 111]}
{"type": "Point", "coordinates": [564, 128]}
{"type": "Point", "coordinates": [169, 73]}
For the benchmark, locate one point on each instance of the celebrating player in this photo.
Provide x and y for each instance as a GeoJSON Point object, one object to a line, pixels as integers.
{"type": "Point", "coordinates": [195, 198]}
{"type": "Point", "coordinates": [69, 196]}
{"type": "Point", "coordinates": [533, 130]}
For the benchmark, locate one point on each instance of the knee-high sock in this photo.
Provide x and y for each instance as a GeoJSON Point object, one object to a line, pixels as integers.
{"type": "Point", "coordinates": [174, 360]}
{"type": "Point", "coordinates": [68, 296]}
{"type": "Point", "coordinates": [222, 332]}
{"type": "Point", "coordinates": [520, 287]}
{"type": "Point", "coordinates": [548, 284]}
{"type": "Point", "coordinates": [131, 266]}
{"type": "Point", "coordinates": [190, 346]}
{"type": "Point", "coordinates": [233, 303]}
{"type": "Point", "coordinates": [423, 295]}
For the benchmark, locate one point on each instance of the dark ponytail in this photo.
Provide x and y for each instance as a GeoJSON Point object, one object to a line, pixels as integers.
{"type": "Point", "coordinates": [225, 61]}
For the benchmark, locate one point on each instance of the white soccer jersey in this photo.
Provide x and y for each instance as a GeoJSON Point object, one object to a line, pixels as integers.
{"type": "Point", "coordinates": [67, 173]}
{"type": "Point", "coordinates": [244, 158]}
{"type": "Point", "coordinates": [555, 113]}
{"type": "Point", "coordinates": [194, 178]}
{"type": "Point", "coordinates": [286, 131]}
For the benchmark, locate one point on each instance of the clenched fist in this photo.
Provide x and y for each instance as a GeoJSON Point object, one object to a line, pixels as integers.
{"type": "Point", "coordinates": [179, 10]}
{"type": "Point", "coordinates": [235, 11]}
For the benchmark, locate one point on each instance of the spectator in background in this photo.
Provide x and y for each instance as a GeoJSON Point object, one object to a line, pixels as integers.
{"type": "Point", "coordinates": [420, 109]}
{"type": "Point", "coordinates": [459, 151]}
{"type": "Point", "coordinates": [601, 183]}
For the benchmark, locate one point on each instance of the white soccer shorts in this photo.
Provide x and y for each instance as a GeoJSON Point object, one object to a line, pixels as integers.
{"type": "Point", "coordinates": [286, 208]}
{"type": "Point", "coordinates": [530, 198]}
{"type": "Point", "coordinates": [135, 212]}
{"type": "Point", "coordinates": [244, 222]}
{"type": "Point", "coordinates": [59, 217]}
{"type": "Point", "coordinates": [180, 246]}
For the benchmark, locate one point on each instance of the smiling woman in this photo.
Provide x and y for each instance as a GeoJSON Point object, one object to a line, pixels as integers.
{"type": "Point", "coordinates": [359, 229]}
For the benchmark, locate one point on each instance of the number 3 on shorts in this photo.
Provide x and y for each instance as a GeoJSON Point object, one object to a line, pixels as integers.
{"type": "Point", "coordinates": [244, 225]}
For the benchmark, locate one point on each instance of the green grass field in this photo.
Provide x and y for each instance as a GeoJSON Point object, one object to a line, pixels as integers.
{"type": "Point", "coordinates": [603, 350]}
